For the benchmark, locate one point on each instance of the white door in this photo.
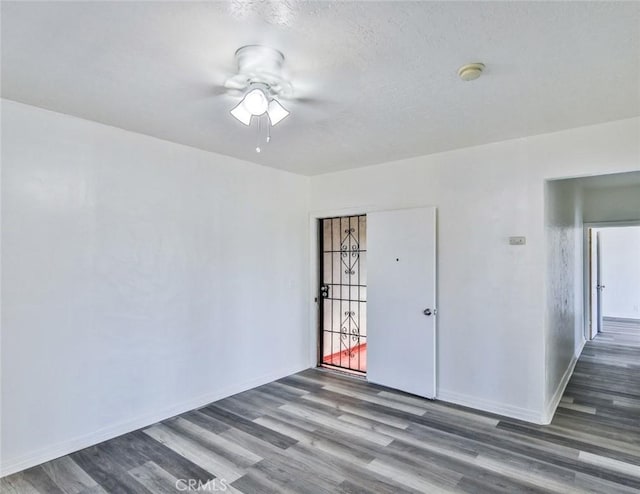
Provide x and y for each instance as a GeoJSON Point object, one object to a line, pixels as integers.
{"type": "Point", "coordinates": [596, 284]}
{"type": "Point", "coordinates": [593, 284]}
{"type": "Point", "coordinates": [401, 300]}
{"type": "Point", "coordinates": [600, 285]}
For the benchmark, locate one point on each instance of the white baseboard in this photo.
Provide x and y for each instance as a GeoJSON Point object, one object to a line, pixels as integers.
{"type": "Point", "coordinates": [633, 320]}
{"type": "Point", "coordinates": [551, 407]}
{"type": "Point", "coordinates": [50, 452]}
{"type": "Point", "coordinates": [520, 413]}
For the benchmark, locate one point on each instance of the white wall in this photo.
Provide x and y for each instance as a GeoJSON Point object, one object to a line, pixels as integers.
{"type": "Point", "coordinates": [140, 279]}
{"type": "Point", "coordinates": [492, 296]}
{"type": "Point", "coordinates": [621, 272]}
{"type": "Point", "coordinates": [564, 311]}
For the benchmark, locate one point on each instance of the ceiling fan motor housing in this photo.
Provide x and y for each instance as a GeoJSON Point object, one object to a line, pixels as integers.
{"type": "Point", "coordinates": [260, 65]}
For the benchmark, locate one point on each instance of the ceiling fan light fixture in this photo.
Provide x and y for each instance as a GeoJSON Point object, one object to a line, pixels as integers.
{"type": "Point", "coordinates": [260, 76]}
{"type": "Point", "coordinates": [276, 112]}
{"type": "Point", "coordinates": [255, 101]}
{"type": "Point", "coordinates": [241, 113]}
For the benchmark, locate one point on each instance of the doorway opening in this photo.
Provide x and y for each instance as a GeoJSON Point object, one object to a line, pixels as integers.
{"type": "Point", "coordinates": [343, 293]}
{"type": "Point", "coordinates": [613, 282]}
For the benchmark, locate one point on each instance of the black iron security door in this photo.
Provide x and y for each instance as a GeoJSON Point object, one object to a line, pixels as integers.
{"type": "Point", "coordinates": [343, 293]}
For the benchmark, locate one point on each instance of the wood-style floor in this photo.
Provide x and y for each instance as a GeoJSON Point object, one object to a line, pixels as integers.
{"type": "Point", "coordinates": [317, 432]}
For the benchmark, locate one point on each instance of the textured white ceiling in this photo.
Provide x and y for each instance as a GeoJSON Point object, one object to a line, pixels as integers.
{"type": "Point", "coordinates": [379, 78]}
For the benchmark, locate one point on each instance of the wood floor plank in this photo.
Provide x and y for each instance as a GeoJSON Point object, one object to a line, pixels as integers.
{"type": "Point", "coordinates": [256, 482]}
{"type": "Point", "coordinates": [16, 484]}
{"type": "Point", "coordinates": [334, 423]}
{"type": "Point", "coordinates": [596, 447]}
{"type": "Point", "coordinates": [155, 478]}
{"type": "Point", "coordinates": [357, 486]}
{"type": "Point", "coordinates": [68, 476]}
{"type": "Point", "coordinates": [411, 479]}
{"type": "Point", "coordinates": [375, 398]}
{"type": "Point", "coordinates": [335, 444]}
{"type": "Point", "coordinates": [195, 452]}
{"type": "Point", "coordinates": [237, 455]}
{"type": "Point", "coordinates": [148, 449]}
{"type": "Point", "coordinates": [205, 421]}
{"type": "Point", "coordinates": [620, 466]}
{"type": "Point", "coordinates": [111, 477]}
{"type": "Point", "coordinates": [355, 409]}
{"type": "Point", "coordinates": [248, 426]}
{"type": "Point", "coordinates": [96, 489]}
{"type": "Point", "coordinates": [289, 476]}
{"type": "Point", "coordinates": [39, 479]}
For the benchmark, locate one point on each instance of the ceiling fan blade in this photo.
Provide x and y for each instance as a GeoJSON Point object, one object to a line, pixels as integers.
{"type": "Point", "coordinates": [206, 91]}
{"type": "Point", "coordinates": [217, 90]}
{"type": "Point", "coordinates": [238, 82]}
{"type": "Point", "coordinates": [310, 101]}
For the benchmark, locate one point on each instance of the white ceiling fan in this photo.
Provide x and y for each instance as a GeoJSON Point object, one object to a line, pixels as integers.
{"type": "Point", "coordinates": [260, 78]}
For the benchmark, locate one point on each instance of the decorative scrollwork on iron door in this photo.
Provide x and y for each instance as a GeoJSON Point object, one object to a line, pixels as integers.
{"type": "Point", "coordinates": [350, 251]}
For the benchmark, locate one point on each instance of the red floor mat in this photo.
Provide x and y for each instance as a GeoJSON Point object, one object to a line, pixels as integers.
{"type": "Point", "coordinates": [356, 359]}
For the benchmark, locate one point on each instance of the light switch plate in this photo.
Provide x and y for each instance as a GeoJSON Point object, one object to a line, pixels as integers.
{"type": "Point", "coordinates": [517, 240]}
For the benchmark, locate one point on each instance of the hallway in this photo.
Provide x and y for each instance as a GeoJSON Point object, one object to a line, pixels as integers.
{"type": "Point", "coordinates": [601, 404]}
{"type": "Point", "coordinates": [620, 333]}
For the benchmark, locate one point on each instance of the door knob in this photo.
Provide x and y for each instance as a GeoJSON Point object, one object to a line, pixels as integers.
{"type": "Point", "coordinates": [427, 312]}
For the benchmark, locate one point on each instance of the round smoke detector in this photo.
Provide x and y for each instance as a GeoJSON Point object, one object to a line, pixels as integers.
{"type": "Point", "coordinates": [470, 71]}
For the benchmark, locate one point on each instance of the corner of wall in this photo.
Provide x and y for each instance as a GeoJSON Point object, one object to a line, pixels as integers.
{"type": "Point", "coordinates": [554, 401]}
{"type": "Point", "coordinates": [525, 414]}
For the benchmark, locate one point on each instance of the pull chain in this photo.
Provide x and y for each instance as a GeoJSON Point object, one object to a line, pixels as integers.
{"type": "Point", "coordinates": [258, 135]}
{"type": "Point", "coordinates": [259, 131]}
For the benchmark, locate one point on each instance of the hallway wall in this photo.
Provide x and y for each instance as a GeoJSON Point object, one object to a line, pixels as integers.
{"type": "Point", "coordinates": [564, 272]}
{"type": "Point", "coordinates": [617, 203]}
